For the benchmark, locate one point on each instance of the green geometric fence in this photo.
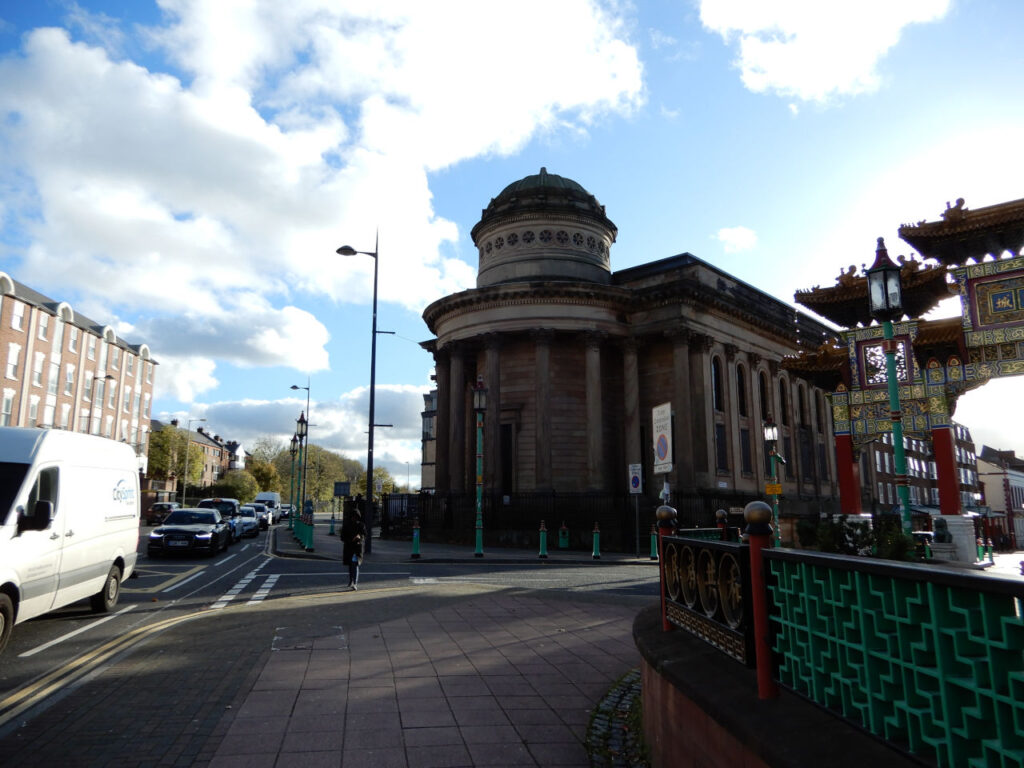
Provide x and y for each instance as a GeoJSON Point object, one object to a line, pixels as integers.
{"type": "Point", "coordinates": [930, 660]}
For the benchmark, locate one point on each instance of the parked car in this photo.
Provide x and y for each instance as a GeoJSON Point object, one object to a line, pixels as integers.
{"type": "Point", "coordinates": [286, 511]}
{"type": "Point", "coordinates": [249, 523]}
{"type": "Point", "coordinates": [262, 514]}
{"type": "Point", "coordinates": [228, 509]}
{"type": "Point", "coordinates": [159, 510]}
{"type": "Point", "coordinates": [190, 531]}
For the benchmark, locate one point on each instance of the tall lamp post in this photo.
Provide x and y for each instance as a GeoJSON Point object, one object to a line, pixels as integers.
{"type": "Point", "coordinates": [885, 296]}
{"type": "Point", "coordinates": [301, 430]}
{"type": "Point", "coordinates": [347, 250]}
{"type": "Point", "coordinates": [188, 443]}
{"type": "Point", "coordinates": [479, 405]}
{"type": "Point", "coordinates": [771, 439]}
{"type": "Point", "coordinates": [293, 450]}
{"type": "Point", "coordinates": [308, 416]}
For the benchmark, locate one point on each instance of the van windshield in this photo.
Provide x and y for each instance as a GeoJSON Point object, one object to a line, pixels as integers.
{"type": "Point", "coordinates": [12, 475]}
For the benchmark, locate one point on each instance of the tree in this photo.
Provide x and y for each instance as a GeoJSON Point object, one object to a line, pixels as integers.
{"type": "Point", "coordinates": [266, 475]}
{"type": "Point", "coordinates": [236, 484]}
{"type": "Point", "coordinates": [266, 450]}
{"type": "Point", "coordinates": [167, 456]}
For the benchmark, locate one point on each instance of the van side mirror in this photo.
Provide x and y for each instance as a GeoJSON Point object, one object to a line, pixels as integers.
{"type": "Point", "coordinates": [38, 519]}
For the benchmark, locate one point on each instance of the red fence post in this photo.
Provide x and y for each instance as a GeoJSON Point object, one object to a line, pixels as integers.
{"type": "Point", "coordinates": [759, 530]}
{"type": "Point", "coordinates": [666, 527]}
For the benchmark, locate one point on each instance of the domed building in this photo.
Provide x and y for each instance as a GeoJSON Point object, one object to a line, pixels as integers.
{"type": "Point", "coordinates": [574, 357]}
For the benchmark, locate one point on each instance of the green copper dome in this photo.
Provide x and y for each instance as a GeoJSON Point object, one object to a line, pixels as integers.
{"type": "Point", "coordinates": [543, 192]}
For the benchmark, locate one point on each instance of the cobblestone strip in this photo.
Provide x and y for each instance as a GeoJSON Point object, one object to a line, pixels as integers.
{"type": "Point", "coordinates": [614, 736]}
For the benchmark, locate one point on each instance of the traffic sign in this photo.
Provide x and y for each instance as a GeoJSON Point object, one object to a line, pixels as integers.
{"type": "Point", "coordinates": [773, 489]}
{"type": "Point", "coordinates": [662, 417]}
{"type": "Point", "coordinates": [635, 480]}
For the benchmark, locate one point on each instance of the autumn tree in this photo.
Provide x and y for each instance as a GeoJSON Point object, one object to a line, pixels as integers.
{"type": "Point", "coordinates": [236, 484]}
{"type": "Point", "coordinates": [166, 458]}
{"type": "Point", "coordinates": [266, 475]}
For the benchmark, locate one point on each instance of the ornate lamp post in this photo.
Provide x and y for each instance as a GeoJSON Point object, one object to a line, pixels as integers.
{"type": "Point", "coordinates": [771, 439]}
{"type": "Point", "coordinates": [301, 430]}
{"type": "Point", "coordinates": [885, 296]}
{"type": "Point", "coordinates": [293, 450]}
{"type": "Point", "coordinates": [479, 405]}
{"type": "Point", "coordinates": [188, 443]}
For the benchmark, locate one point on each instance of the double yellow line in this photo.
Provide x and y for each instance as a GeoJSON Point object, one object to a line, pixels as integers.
{"type": "Point", "coordinates": [31, 694]}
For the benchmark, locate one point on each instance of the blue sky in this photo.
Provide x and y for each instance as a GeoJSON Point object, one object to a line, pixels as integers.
{"type": "Point", "coordinates": [185, 170]}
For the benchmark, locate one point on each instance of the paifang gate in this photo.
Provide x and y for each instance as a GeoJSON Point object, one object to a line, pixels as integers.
{"type": "Point", "coordinates": [974, 255]}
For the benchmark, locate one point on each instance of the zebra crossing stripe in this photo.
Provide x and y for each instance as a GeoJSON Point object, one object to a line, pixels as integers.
{"type": "Point", "coordinates": [232, 593]}
{"type": "Point", "coordinates": [263, 591]}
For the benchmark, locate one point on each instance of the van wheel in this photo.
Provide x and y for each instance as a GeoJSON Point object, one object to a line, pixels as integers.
{"type": "Point", "coordinates": [6, 619]}
{"type": "Point", "coordinates": [106, 598]}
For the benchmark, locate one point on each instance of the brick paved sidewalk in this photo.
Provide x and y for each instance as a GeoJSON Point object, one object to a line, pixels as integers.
{"type": "Point", "coordinates": [493, 680]}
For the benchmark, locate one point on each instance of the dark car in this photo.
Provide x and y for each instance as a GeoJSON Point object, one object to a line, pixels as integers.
{"type": "Point", "coordinates": [190, 531]}
{"type": "Point", "coordinates": [229, 510]}
{"type": "Point", "coordinates": [158, 511]}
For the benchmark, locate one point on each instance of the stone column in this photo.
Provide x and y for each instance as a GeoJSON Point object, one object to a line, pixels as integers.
{"type": "Point", "coordinates": [846, 466]}
{"type": "Point", "coordinates": [492, 418]}
{"type": "Point", "coordinates": [631, 402]}
{"type": "Point", "coordinates": [700, 412]}
{"type": "Point", "coordinates": [542, 372]}
{"type": "Point", "coordinates": [732, 413]}
{"type": "Point", "coordinates": [442, 363]}
{"type": "Point", "coordinates": [457, 420]}
{"type": "Point", "coordinates": [756, 423]}
{"type": "Point", "coordinates": [595, 420]}
{"type": "Point", "coordinates": [683, 428]}
{"type": "Point", "coordinates": [945, 466]}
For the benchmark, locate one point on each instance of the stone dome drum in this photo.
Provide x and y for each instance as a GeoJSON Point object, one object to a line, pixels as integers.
{"type": "Point", "coordinates": [543, 228]}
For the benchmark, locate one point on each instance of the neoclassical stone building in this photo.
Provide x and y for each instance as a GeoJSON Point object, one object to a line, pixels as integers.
{"type": "Point", "coordinates": [575, 356]}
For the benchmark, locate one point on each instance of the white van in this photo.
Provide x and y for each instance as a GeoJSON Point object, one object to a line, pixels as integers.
{"type": "Point", "coordinates": [273, 502]}
{"type": "Point", "coordinates": [69, 521]}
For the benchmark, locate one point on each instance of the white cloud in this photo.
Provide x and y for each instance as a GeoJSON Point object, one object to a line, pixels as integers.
{"type": "Point", "coordinates": [184, 378]}
{"type": "Point", "coordinates": [227, 187]}
{"type": "Point", "coordinates": [737, 239]}
{"type": "Point", "coordinates": [812, 50]}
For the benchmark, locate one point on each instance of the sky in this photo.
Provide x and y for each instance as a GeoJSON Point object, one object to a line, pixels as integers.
{"type": "Point", "coordinates": [185, 170]}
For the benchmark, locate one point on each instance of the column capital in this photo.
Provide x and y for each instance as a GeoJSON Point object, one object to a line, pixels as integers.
{"type": "Point", "coordinates": [680, 335]}
{"type": "Point", "coordinates": [542, 335]}
{"type": "Point", "coordinates": [595, 338]}
{"type": "Point", "coordinates": [773, 367]}
{"type": "Point", "coordinates": [492, 340]}
{"type": "Point", "coordinates": [754, 358]}
{"type": "Point", "coordinates": [731, 350]}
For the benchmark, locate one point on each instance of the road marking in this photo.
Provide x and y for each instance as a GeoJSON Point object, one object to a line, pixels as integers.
{"type": "Point", "coordinates": [242, 583]}
{"type": "Point", "coordinates": [166, 583]}
{"type": "Point", "coordinates": [182, 582]}
{"type": "Point", "coordinates": [263, 591]}
{"type": "Point", "coordinates": [69, 635]}
{"type": "Point", "coordinates": [37, 691]}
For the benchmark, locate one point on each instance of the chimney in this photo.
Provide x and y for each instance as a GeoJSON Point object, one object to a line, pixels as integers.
{"type": "Point", "coordinates": [174, 422]}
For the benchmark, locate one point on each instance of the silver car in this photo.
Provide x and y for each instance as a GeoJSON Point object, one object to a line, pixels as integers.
{"type": "Point", "coordinates": [248, 521]}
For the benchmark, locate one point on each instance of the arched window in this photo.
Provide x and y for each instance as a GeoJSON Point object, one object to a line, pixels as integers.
{"type": "Point", "coordinates": [741, 390]}
{"type": "Point", "coordinates": [718, 400]}
{"type": "Point", "coordinates": [783, 402]}
{"type": "Point", "coordinates": [765, 395]}
{"type": "Point", "coordinates": [819, 409]}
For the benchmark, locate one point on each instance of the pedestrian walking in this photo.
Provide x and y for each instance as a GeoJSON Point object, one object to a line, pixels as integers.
{"type": "Point", "coordinates": [353, 537]}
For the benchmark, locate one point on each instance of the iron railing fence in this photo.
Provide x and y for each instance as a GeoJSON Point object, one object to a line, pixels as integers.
{"type": "Point", "coordinates": [513, 520]}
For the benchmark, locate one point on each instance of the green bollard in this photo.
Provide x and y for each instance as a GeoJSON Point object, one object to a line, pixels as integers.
{"type": "Point", "coordinates": [597, 542]}
{"type": "Point", "coordinates": [543, 542]}
{"type": "Point", "coordinates": [654, 542]}
{"type": "Point", "coordinates": [415, 538]}
{"type": "Point", "coordinates": [331, 532]}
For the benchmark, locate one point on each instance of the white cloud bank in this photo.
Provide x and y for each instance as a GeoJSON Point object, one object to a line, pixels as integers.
{"type": "Point", "coordinates": [201, 194]}
{"type": "Point", "coordinates": [737, 239]}
{"type": "Point", "coordinates": [814, 50]}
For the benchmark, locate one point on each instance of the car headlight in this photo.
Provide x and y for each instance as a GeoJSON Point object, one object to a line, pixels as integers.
{"type": "Point", "coordinates": [204, 535]}
{"type": "Point", "coordinates": [156, 535]}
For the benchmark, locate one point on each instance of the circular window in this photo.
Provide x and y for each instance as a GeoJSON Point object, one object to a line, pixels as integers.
{"type": "Point", "coordinates": [488, 247]}
{"type": "Point", "coordinates": [592, 243]}
{"type": "Point", "coordinates": [528, 237]}
{"type": "Point", "coordinates": [562, 237]}
{"type": "Point", "coordinates": [513, 239]}
{"type": "Point", "coordinates": [499, 243]}
{"type": "Point", "coordinates": [577, 239]}
{"type": "Point", "coordinates": [545, 236]}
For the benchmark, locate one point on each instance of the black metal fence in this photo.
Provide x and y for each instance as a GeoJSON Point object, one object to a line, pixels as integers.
{"type": "Point", "coordinates": [513, 520]}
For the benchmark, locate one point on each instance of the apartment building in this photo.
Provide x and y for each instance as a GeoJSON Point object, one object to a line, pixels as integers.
{"type": "Point", "coordinates": [62, 370]}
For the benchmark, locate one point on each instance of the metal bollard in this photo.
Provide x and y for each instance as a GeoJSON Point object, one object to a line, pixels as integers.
{"type": "Point", "coordinates": [543, 541]}
{"type": "Point", "coordinates": [654, 541]}
{"type": "Point", "coordinates": [597, 542]}
{"type": "Point", "coordinates": [331, 532]}
{"type": "Point", "coordinates": [415, 538]}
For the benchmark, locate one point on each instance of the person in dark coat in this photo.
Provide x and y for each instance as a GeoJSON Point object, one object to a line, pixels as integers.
{"type": "Point", "coordinates": [353, 537]}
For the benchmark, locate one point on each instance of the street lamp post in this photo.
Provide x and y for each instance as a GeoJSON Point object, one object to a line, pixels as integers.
{"type": "Point", "coordinates": [347, 250]}
{"type": "Point", "coordinates": [293, 450]}
{"type": "Point", "coordinates": [771, 439]}
{"type": "Point", "coordinates": [479, 405]}
{"type": "Point", "coordinates": [188, 443]}
{"type": "Point", "coordinates": [309, 416]}
{"type": "Point", "coordinates": [301, 430]}
{"type": "Point", "coordinates": [885, 296]}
